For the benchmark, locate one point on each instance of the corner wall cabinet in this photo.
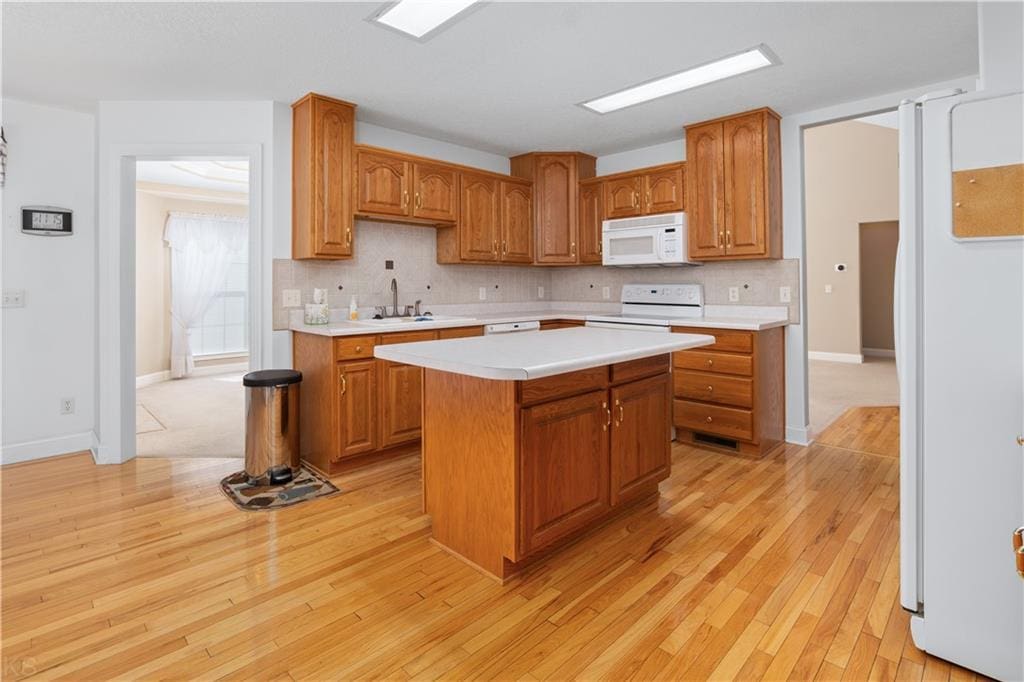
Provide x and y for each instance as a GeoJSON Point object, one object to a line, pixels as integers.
{"type": "Point", "coordinates": [323, 137]}
{"type": "Point", "coordinates": [555, 177]}
{"type": "Point", "coordinates": [734, 187]}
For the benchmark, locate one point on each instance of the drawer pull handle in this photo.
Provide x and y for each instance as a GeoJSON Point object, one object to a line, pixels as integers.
{"type": "Point", "coordinates": [709, 420]}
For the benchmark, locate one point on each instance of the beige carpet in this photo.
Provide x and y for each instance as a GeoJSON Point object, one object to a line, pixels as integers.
{"type": "Point", "coordinates": [837, 386]}
{"type": "Point", "coordinates": [194, 417]}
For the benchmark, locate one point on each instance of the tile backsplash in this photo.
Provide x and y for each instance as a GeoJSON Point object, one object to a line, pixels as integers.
{"type": "Point", "coordinates": [412, 252]}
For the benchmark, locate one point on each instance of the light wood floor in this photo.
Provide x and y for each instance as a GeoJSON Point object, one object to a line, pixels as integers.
{"type": "Point", "coordinates": [773, 569]}
{"type": "Point", "coordinates": [875, 430]}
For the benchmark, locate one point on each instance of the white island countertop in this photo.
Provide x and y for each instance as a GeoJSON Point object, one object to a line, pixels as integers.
{"type": "Point", "coordinates": [531, 355]}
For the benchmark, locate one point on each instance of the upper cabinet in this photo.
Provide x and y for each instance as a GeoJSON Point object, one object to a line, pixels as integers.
{"type": "Point", "coordinates": [516, 221]}
{"type": "Point", "coordinates": [734, 185]}
{"type": "Point", "coordinates": [390, 185]}
{"type": "Point", "coordinates": [555, 179]}
{"type": "Point", "coordinates": [591, 216]}
{"type": "Point", "coordinates": [658, 189]}
{"type": "Point", "coordinates": [495, 221]}
{"type": "Point", "coordinates": [323, 137]}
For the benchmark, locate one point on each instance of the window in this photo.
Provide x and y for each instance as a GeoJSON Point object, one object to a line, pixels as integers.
{"type": "Point", "coordinates": [224, 328]}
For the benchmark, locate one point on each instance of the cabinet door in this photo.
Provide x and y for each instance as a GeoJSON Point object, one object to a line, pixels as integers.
{"type": "Point", "coordinates": [564, 468]}
{"type": "Point", "coordinates": [401, 396]}
{"type": "Point", "coordinates": [640, 454]}
{"type": "Point", "coordinates": [357, 407]}
{"type": "Point", "coordinates": [663, 190]}
{"type": "Point", "coordinates": [333, 135]}
{"type": "Point", "coordinates": [516, 222]}
{"type": "Point", "coordinates": [478, 217]}
{"type": "Point", "coordinates": [705, 189]}
{"type": "Point", "coordinates": [622, 197]}
{"type": "Point", "coordinates": [555, 193]}
{"type": "Point", "coordinates": [383, 184]}
{"type": "Point", "coordinates": [745, 219]}
{"type": "Point", "coordinates": [435, 192]}
{"type": "Point", "coordinates": [591, 216]}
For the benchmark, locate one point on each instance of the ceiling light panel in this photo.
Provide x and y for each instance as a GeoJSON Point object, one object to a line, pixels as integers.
{"type": "Point", "coordinates": [720, 69]}
{"type": "Point", "coordinates": [421, 17]}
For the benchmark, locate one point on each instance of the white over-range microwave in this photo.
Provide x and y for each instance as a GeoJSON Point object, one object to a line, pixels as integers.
{"type": "Point", "coordinates": [648, 240]}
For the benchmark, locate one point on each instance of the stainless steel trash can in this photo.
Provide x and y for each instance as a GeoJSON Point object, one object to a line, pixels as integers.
{"type": "Point", "coordinates": [272, 424]}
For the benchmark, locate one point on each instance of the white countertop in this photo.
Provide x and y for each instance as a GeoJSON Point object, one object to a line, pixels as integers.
{"type": "Point", "coordinates": [531, 355]}
{"type": "Point", "coordinates": [746, 318]}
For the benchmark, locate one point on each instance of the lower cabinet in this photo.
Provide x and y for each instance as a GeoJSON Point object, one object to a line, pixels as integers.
{"type": "Point", "coordinates": [357, 407]}
{"type": "Point", "coordinates": [352, 405]}
{"type": "Point", "coordinates": [565, 467]}
{"type": "Point", "coordinates": [641, 435]}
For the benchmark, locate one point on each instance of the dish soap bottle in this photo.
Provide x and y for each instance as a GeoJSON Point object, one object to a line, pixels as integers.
{"type": "Point", "coordinates": [353, 309]}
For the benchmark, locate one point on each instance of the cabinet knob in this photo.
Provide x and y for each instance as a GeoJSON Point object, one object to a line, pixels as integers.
{"type": "Point", "coordinates": [711, 363]}
{"type": "Point", "coordinates": [709, 420]}
{"type": "Point", "coordinates": [1020, 441]}
{"type": "Point", "coordinates": [711, 388]}
{"type": "Point", "coordinates": [359, 349]}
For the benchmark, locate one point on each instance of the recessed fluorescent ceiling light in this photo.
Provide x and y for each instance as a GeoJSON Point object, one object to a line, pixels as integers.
{"type": "Point", "coordinates": [420, 17]}
{"type": "Point", "coordinates": [744, 62]}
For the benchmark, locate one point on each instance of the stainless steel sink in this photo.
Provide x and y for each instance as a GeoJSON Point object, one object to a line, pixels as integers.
{"type": "Point", "coordinates": [407, 321]}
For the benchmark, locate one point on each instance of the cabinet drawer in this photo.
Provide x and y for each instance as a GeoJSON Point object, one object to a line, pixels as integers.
{"type": "Point", "coordinates": [723, 421]}
{"type": "Point", "coordinates": [637, 369]}
{"type": "Point", "coordinates": [726, 363]}
{"type": "Point", "coordinates": [354, 347]}
{"type": "Point", "coordinates": [460, 332]}
{"type": "Point", "coordinates": [714, 388]}
{"type": "Point", "coordinates": [728, 340]}
{"type": "Point", "coordinates": [407, 337]}
{"type": "Point", "coordinates": [573, 383]}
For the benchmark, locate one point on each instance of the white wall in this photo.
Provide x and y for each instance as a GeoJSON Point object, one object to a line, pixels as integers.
{"type": "Point", "coordinates": [666, 152]}
{"type": "Point", "coordinates": [49, 345]}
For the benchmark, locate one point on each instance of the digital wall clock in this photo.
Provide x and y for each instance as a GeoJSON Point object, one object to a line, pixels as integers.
{"type": "Point", "coordinates": [51, 221]}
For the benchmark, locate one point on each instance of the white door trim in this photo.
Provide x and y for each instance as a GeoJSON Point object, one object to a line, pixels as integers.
{"type": "Point", "coordinates": [794, 232]}
{"type": "Point", "coordinates": [115, 259]}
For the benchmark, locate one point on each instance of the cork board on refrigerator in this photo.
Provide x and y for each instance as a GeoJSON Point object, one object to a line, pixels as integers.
{"type": "Point", "coordinates": [989, 202]}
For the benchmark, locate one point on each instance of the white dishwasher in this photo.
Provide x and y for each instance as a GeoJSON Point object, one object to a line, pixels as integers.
{"type": "Point", "coordinates": [509, 327]}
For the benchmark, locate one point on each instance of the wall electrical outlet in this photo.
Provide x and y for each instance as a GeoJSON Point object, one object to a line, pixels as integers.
{"type": "Point", "coordinates": [291, 298]}
{"type": "Point", "coordinates": [483, 293]}
{"type": "Point", "coordinates": [14, 298]}
{"type": "Point", "coordinates": [67, 405]}
{"type": "Point", "coordinates": [606, 292]}
{"type": "Point", "coordinates": [540, 292]}
{"type": "Point", "coordinates": [828, 288]}
{"type": "Point", "coordinates": [785, 294]}
{"type": "Point", "coordinates": [734, 294]}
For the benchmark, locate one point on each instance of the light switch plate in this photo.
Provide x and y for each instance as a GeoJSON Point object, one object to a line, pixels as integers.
{"type": "Point", "coordinates": [14, 298]}
{"type": "Point", "coordinates": [734, 294]}
{"type": "Point", "coordinates": [606, 292]}
{"type": "Point", "coordinates": [785, 294]}
{"type": "Point", "coordinates": [540, 292]}
{"type": "Point", "coordinates": [483, 293]}
{"type": "Point", "coordinates": [291, 298]}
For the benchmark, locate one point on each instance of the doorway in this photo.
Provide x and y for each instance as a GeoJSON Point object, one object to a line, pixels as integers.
{"type": "Point", "coordinates": [192, 306]}
{"type": "Point", "coordinates": [851, 195]}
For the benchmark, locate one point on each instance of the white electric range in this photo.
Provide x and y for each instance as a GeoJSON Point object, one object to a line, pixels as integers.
{"type": "Point", "coordinates": [654, 307]}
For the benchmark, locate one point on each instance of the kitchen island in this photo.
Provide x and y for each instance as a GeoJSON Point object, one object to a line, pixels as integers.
{"type": "Point", "coordinates": [530, 439]}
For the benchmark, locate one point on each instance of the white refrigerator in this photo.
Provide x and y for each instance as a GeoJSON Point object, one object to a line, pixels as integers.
{"type": "Point", "coordinates": [960, 359]}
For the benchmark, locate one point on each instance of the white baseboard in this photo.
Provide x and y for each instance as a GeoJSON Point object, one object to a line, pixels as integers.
{"type": "Point", "coordinates": [878, 352]}
{"type": "Point", "coordinates": [852, 358]}
{"type": "Point", "coordinates": [48, 447]}
{"type": "Point", "coordinates": [798, 435]}
{"type": "Point", "coordinates": [205, 370]}
{"type": "Point", "coordinates": [154, 378]}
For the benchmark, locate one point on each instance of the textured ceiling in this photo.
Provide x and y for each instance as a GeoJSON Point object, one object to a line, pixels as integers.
{"type": "Point", "coordinates": [504, 77]}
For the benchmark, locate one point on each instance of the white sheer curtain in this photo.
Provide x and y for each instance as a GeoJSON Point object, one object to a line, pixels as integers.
{"type": "Point", "coordinates": [202, 248]}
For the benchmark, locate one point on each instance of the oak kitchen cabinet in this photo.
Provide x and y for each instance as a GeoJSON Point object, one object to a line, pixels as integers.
{"type": "Point", "coordinates": [391, 185]}
{"type": "Point", "coordinates": [354, 407]}
{"type": "Point", "coordinates": [734, 185]}
{"type": "Point", "coordinates": [647, 191]}
{"type": "Point", "coordinates": [555, 177]}
{"type": "Point", "coordinates": [591, 217]}
{"type": "Point", "coordinates": [563, 455]}
{"type": "Point", "coordinates": [323, 138]}
{"type": "Point", "coordinates": [495, 221]}
{"type": "Point", "coordinates": [731, 394]}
